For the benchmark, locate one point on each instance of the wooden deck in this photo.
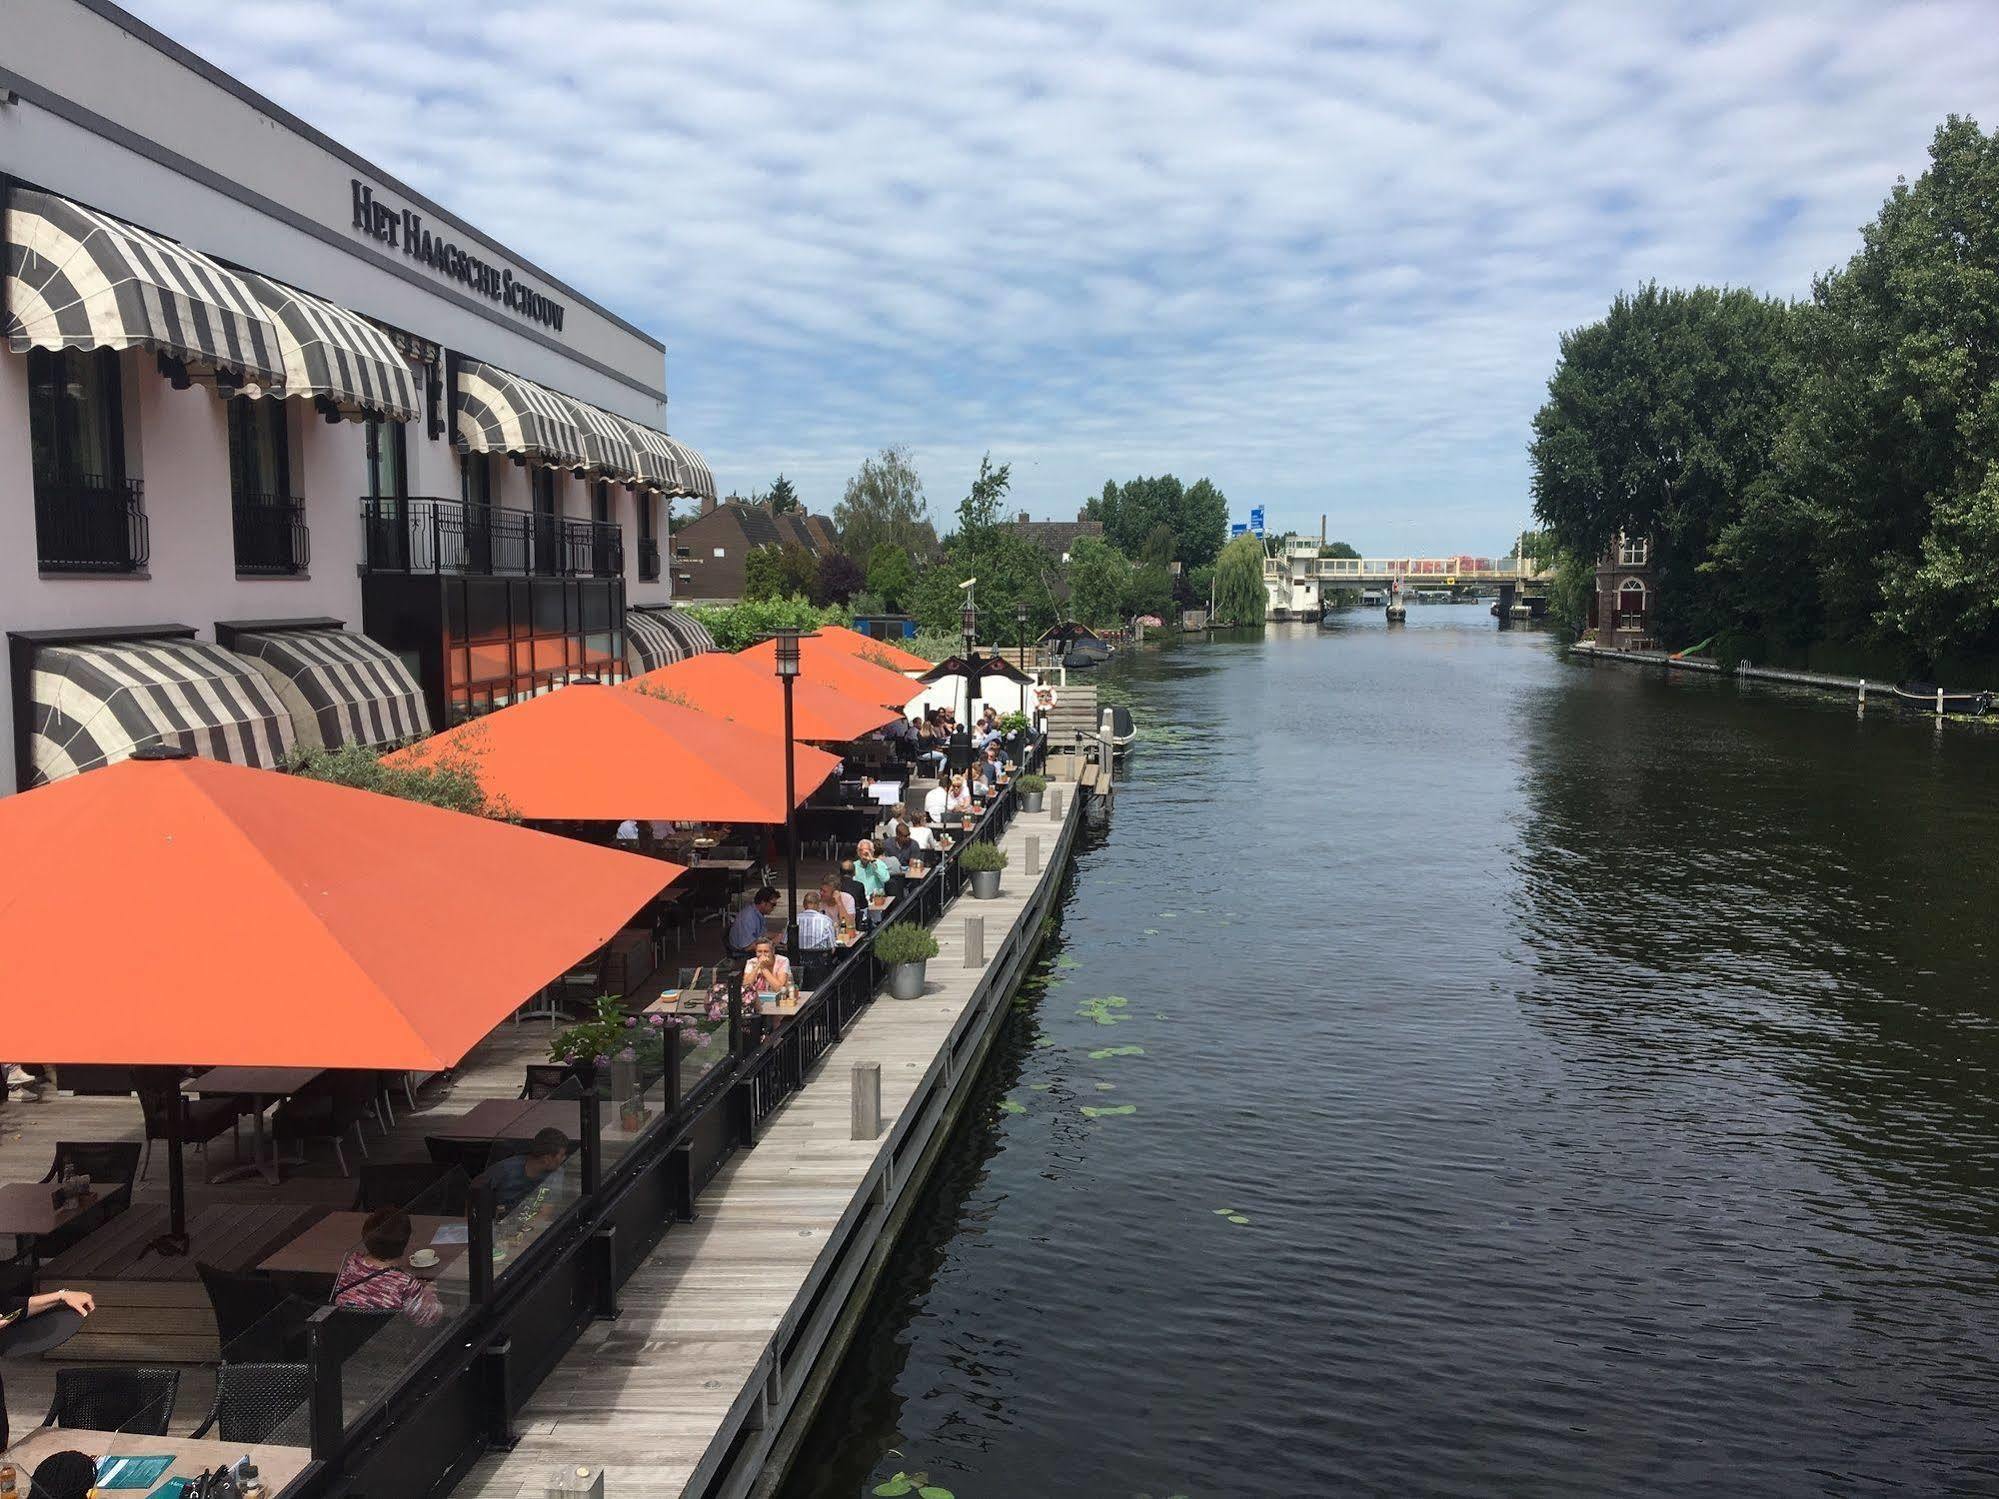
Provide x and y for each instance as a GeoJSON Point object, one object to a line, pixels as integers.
{"type": "Point", "coordinates": [719, 1328]}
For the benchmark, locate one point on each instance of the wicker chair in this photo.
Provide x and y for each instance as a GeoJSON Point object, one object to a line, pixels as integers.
{"type": "Point", "coordinates": [201, 1120]}
{"type": "Point", "coordinates": [135, 1400]}
{"type": "Point", "coordinates": [257, 1319]}
{"type": "Point", "coordinates": [261, 1403]}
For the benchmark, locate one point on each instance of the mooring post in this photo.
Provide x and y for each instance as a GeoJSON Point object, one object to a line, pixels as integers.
{"type": "Point", "coordinates": [867, 1100]}
{"type": "Point", "coordinates": [1055, 794]}
{"type": "Point", "coordinates": [975, 941]}
{"type": "Point", "coordinates": [1033, 854]}
{"type": "Point", "coordinates": [576, 1483]}
{"type": "Point", "coordinates": [1863, 694]}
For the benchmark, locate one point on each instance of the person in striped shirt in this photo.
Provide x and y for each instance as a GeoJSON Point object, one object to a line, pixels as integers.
{"type": "Point", "coordinates": [372, 1278]}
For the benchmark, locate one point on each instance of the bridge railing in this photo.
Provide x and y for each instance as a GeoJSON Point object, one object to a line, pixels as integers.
{"type": "Point", "coordinates": [1462, 569]}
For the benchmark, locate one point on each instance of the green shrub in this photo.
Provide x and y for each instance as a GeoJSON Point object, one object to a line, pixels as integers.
{"type": "Point", "coordinates": [904, 942]}
{"type": "Point", "coordinates": [982, 856]}
{"type": "Point", "coordinates": [1031, 782]}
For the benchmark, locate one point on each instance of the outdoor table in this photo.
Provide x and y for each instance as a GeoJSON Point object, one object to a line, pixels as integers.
{"type": "Point", "coordinates": [264, 1086]}
{"type": "Point", "coordinates": [322, 1249]}
{"type": "Point", "coordinates": [28, 1211]}
{"type": "Point", "coordinates": [278, 1467]}
{"type": "Point", "coordinates": [509, 1119]}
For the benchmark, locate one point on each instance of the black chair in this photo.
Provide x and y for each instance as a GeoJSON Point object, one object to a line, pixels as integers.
{"type": "Point", "coordinates": [256, 1318]}
{"type": "Point", "coordinates": [543, 1078]}
{"type": "Point", "coordinates": [139, 1401]}
{"type": "Point", "coordinates": [444, 1190]}
{"type": "Point", "coordinates": [201, 1120]}
{"type": "Point", "coordinates": [327, 1109]}
{"type": "Point", "coordinates": [472, 1156]}
{"type": "Point", "coordinates": [260, 1403]}
{"type": "Point", "coordinates": [108, 1163]}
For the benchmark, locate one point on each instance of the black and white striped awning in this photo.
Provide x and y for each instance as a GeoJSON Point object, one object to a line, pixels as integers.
{"type": "Point", "coordinates": [609, 440]}
{"type": "Point", "coordinates": [93, 703]}
{"type": "Point", "coordinates": [670, 466]}
{"type": "Point", "coordinates": [336, 355]}
{"type": "Point", "coordinates": [340, 688]}
{"type": "Point", "coordinates": [660, 637]}
{"type": "Point", "coordinates": [80, 279]}
{"type": "Point", "coordinates": [493, 411]}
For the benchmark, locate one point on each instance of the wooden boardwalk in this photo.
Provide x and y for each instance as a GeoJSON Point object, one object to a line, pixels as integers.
{"type": "Point", "coordinates": [681, 1393]}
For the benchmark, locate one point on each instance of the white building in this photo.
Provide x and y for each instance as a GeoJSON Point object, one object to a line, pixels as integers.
{"type": "Point", "coordinates": [261, 404]}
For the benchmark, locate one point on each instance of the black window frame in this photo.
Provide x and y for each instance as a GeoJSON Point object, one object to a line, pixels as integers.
{"type": "Point", "coordinates": [376, 427]}
{"type": "Point", "coordinates": [40, 366]}
{"type": "Point", "coordinates": [255, 417]}
{"type": "Point", "coordinates": [86, 523]}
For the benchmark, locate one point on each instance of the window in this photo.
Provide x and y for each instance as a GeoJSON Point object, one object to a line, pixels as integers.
{"type": "Point", "coordinates": [600, 503]}
{"type": "Point", "coordinates": [269, 520]}
{"type": "Point", "coordinates": [388, 460]}
{"type": "Point", "coordinates": [475, 478]}
{"type": "Point", "coordinates": [87, 516]}
{"type": "Point", "coordinates": [1631, 605]}
{"type": "Point", "coordinates": [648, 542]}
{"type": "Point", "coordinates": [547, 528]}
{"type": "Point", "coordinates": [1632, 551]}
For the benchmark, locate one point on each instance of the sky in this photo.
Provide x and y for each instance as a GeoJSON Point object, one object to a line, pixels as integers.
{"type": "Point", "coordinates": [1319, 253]}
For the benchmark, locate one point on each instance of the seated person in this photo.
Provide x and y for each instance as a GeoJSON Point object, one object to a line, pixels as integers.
{"type": "Point", "coordinates": [837, 903]}
{"type": "Point", "coordinates": [902, 846]}
{"type": "Point", "coordinates": [372, 1278]}
{"type": "Point", "coordinates": [870, 869]}
{"type": "Point", "coordinates": [921, 834]}
{"type": "Point", "coordinates": [520, 1179]}
{"type": "Point", "coordinates": [937, 800]}
{"type": "Point", "coordinates": [890, 817]}
{"type": "Point", "coordinates": [767, 972]}
{"type": "Point", "coordinates": [64, 1475]}
{"type": "Point", "coordinates": [751, 922]}
{"type": "Point", "coordinates": [816, 930]}
{"type": "Point", "coordinates": [960, 796]}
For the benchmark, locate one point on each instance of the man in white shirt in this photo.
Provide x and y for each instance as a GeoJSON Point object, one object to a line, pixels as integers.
{"type": "Point", "coordinates": [816, 931]}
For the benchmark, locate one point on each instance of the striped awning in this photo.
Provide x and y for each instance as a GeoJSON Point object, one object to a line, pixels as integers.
{"type": "Point", "coordinates": [80, 279]}
{"type": "Point", "coordinates": [340, 688]}
{"type": "Point", "coordinates": [336, 354]}
{"type": "Point", "coordinates": [94, 703]}
{"type": "Point", "coordinates": [660, 637]}
{"type": "Point", "coordinates": [493, 411]}
{"type": "Point", "coordinates": [670, 466]}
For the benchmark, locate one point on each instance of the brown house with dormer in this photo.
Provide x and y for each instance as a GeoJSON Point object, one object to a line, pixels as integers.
{"type": "Point", "coordinates": [1625, 603]}
{"type": "Point", "coordinates": [710, 551]}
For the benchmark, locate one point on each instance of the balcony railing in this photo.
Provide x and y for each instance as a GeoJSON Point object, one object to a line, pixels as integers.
{"type": "Point", "coordinates": [420, 535]}
{"type": "Point", "coordinates": [271, 535]}
{"type": "Point", "coordinates": [648, 559]}
{"type": "Point", "coordinates": [89, 524]}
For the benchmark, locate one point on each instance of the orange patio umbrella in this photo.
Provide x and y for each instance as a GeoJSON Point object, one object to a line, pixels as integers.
{"type": "Point", "coordinates": [830, 666]}
{"type": "Point", "coordinates": [258, 919]}
{"type": "Point", "coordinates": [731, 687]}
{"type": "Point", "coordinates": [595, 753]}
{"type": "Point", "coordinates": [854, 643]}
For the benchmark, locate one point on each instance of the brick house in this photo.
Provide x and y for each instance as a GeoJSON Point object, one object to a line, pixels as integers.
{"type": "Point", "coordinates": [710, 551]}
{"type": "Point", "coordinates": [1624, 605]}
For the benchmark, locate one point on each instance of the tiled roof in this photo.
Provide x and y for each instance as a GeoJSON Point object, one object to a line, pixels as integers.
{"type": "Point", "coordinates": [1057, 536]}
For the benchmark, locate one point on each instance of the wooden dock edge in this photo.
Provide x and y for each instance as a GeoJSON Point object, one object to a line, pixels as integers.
{"type": "Point", "coordinates": [753, 1449]}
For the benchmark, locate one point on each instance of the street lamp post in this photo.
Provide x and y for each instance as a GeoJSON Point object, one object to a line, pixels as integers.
{"type": "Point", "coordinates": [1020, 629]}
{"type": "Point", "coordinates": [789, 660]}
{"type": "Point", "coordinates": [969, 619]}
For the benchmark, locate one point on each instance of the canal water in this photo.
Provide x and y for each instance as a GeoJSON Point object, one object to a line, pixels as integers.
{"type": "Point", "coordinates": [1544, 1079]}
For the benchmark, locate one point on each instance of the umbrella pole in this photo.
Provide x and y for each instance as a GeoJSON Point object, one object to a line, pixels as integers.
{"type": "Point", "coordinates": [174, 1241]}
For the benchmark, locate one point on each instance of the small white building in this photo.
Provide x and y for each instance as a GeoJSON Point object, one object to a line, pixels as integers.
{"type": "Point", "coordinates": [1290, 579]}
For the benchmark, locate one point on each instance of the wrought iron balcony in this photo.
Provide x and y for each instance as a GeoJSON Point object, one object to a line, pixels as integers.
{"type": "Point", "coordinates": [648, 559]}
{"type": "Point", "coordinates": [271, 536]}
{"type": "Point", "coordinates": [89, 524]}
{"type": "Point", "coordinates": [423, 535]}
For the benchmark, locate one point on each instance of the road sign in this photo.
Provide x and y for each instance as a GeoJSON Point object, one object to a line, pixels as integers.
{"type": "Point", "coordinates": [1237, 528]}
{"type": "Point", "coordinates": [1256, 522]}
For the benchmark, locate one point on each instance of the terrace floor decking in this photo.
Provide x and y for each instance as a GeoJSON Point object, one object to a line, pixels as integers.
{"type": "Point", "coordinates": [653, 1394]}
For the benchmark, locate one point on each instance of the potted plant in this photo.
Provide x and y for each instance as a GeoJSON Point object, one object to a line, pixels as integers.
{"type": "Point", "coordinates": [983, 861]}
{"type": "Point", "coordinates": [904, 947]}
{"type": "Point", "coordinates": [1031, 787]}
{"type": "Point", "coordinates": [615, 1049]}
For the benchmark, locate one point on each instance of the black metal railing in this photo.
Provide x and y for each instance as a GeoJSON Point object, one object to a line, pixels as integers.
{"type": "Point", "coordinates": [464, 1380]}
{"type": "Point", "coordinates": [423, 535]}
{"type": "Point", "coordinates": [271, 535]}
{"type": "Point", "coordinates": [648, 559]}
{"type": "Point", "coordinates": [88, 524]}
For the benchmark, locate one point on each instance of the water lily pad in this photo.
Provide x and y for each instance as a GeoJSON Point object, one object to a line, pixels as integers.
{"type": "Point", "coordinates": [1042, 1043]}
{"type": "Point", "coordinates": [898, 1485]}
{"type": "Point", "coordinates": [1152, 931]}
{"type": "Point", "coordinates": [1169, 915]}
{"type": "Point", "coordinates": [1041, 1087]}
{"type": "Point", "coordinates": [1116, 1001]}
{"type": "Point", "coordinates": [1065, 961]}
{"type": "Point", "coordinates": [1224, 1212]}
{"type": "Point", "coordinates": [1107, 1087]}
{"type": "Point", "coordinates": [1116, 1051]}
{"type": "Point", "coordinates": [1009, 1106]}
{"type": "Point", "coordinates": [1238, 1218]}
{"type": "Point", "coordinates": [1109, 1112]}
{"type": "Point", "coordinates": [934, 1491]}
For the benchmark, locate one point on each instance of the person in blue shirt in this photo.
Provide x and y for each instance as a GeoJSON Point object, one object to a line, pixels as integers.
{"type": "Point", "coordinates": [873, 872]}
{"type": "Point", "coordinates": [750, 922]}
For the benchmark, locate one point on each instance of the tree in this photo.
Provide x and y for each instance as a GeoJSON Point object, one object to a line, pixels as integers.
{"type": "Point", "coordinates": [884, 503]}
{"type": "Point", "coordinates": [763, 573]}
{"type": "Point", "coordinates": [840, 578]}
{"type": "Point", "coordinates": [1659, 420]}
{"type": "Point", "coordinates": [1240, 598]}
{"type": "Point", "coordinates": [1149, 590]}
{"type": "Point", "coordinates": [1099, 575]}
{"type": "Point", "coordinates": [1203, 523]}
{"type": "Point", "coordinates": [981, 507]}
{"type": "Point", "coordinates": [1338, 549]}
{"type": "Point", "coordinates": [891, 575]}
{"type": "Point", "coordinates": [783, 497]}
{"type": "Point", "coordinates": [1158, 547]}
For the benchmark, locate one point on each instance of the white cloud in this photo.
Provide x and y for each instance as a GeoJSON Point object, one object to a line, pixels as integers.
{"type": "Point", "coordinates": [1320, 254]}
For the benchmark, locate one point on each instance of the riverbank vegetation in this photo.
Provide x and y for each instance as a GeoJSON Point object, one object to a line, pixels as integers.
{"type": "Point", "coordinates": [1818, 478]}
{"type": "Point", "coordinates": [892, 561]}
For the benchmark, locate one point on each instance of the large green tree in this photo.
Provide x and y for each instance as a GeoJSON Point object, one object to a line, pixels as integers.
{"type": "Point", "coordinates": [1889, 468]}
{"type": "Point", "coordinates": [891, 576]}
{"type": "Point", "coordinates": [980, 510]}
{"type": "Point", "coordinates": [1203, 523]}
{"type": "Point", "coordinates": [1197, 515]}
{"type": "Point", "coordinates": [783, 497]}
{"type": "Point", "coordinates": [1660, 418]}
{"type": "Point", "coordinates": [884, 503]}
{"type": "Point", "coordinates": [1240, 598]}
{"type": "Point", "coordinates": [1099, 579]}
